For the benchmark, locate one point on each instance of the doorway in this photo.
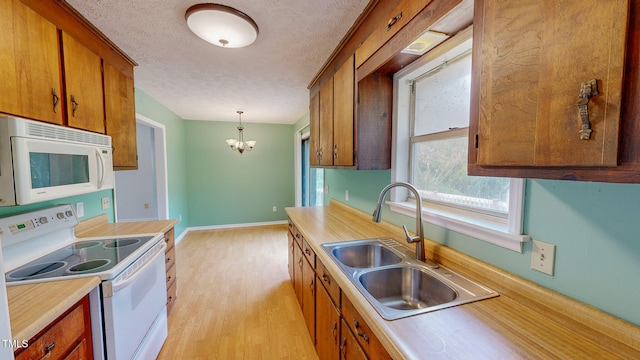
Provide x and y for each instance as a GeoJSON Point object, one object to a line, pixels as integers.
{"type": "Point", "coordinates": [309, 181]}
{"type": "Point", "coordinates": [142, 194]}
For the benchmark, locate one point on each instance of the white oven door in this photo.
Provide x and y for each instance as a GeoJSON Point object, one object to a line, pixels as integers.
{"type": "Point", "coordinates": [132, 306]}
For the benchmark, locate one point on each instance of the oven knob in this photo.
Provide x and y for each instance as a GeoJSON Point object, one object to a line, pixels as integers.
{"type": "Point", "coordinates": [60, 215]}
{"type": "Point", "coordinates": [43, 220]}
{"type": "Point", "coordinates": [69, 213]}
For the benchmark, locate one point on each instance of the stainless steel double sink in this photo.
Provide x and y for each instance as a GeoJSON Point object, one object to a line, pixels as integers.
{"type": "Point", "coordinates": [397, 284]}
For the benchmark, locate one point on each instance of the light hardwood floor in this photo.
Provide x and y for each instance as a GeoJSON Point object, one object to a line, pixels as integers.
{"type": "Point", "coordinates": [235, 299]}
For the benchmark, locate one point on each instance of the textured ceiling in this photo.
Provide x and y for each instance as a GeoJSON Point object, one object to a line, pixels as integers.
{"type": "Point", "coordinates": [198, 81]}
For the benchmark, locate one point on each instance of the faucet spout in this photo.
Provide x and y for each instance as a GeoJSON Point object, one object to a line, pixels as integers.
{"type": "Point", "coordinates": [418, 238]}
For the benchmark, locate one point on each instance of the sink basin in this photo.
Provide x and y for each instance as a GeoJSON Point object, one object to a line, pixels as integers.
{"type": "Point", "coordinates": [397, 284]}
{"type": "Point", "coordinates": [365, 255]}
{"type": "Point", "coordinates": [406, 288]}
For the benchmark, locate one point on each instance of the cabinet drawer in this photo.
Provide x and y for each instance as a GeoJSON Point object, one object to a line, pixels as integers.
{"type": "Point", "coordinates": [327, 281]}
{"type": "Point", "coordinates": [349, 347]}
{"type": "Point", "coordinates": [364, 335]}
{"type": "Point", "coordinates": [171, 276]}
{"type": "Point", "coordinates": [169, 238]}
{"type": "Point", "coordinates": [171, 296]}
{"type": "Point", "coordinates": [170, 257]}
{"type": "Point", "coordinates": [80, 352]}
{"type": "Point", "coordinates": [396, 19]}
{"type": "Point", "coordinates": [309, 253]}
{"type": "Point", "coordinates": [58, 340]}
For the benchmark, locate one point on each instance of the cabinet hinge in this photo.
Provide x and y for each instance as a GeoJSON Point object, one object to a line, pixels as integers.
{"type": "Point", "coordinates": [476, 141]}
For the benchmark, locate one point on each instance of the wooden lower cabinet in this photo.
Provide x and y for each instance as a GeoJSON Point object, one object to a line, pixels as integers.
{"type": "Point", "coordinates": [309, 297]}
{"type": "Point", "coordinates": [327, 326]}
{"type": "Point", "coordinates": [68, 337]}
{"type": "Point", "coordinates": [170, 264]}
{"type": "Point", "coordinates": [349, 347]}
{"type": "Point", "coordinates": [335, 327]}
{"type": "Point", "coordinates": [364, 335]}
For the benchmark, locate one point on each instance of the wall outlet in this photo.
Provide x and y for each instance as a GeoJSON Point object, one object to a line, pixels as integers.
{"type": "Point", "coordinates": [346, 195]}
{"type": "Point", "coordinates": [543, 257]}
{"type": "Point", "coordinates": [326, 189]}
{"type": "Point", "coordinates": [275, 208]}
{"type": "Point", "coordinates": [106, 203]}
{"type": "Point", "coordinates": [80, 209]}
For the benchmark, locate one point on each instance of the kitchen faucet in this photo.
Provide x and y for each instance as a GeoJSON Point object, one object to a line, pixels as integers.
{"type": "Point", "coordinates": [418, 238]}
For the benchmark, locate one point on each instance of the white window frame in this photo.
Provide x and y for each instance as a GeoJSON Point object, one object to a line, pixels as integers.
{"type": "Point", "coordinates": [496, 230]}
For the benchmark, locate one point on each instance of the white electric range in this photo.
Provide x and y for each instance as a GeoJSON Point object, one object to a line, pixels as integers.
{"type": "Point", "coordinates": [128, 308]}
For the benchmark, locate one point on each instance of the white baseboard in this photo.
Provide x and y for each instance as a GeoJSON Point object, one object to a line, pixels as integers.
{"type": "Point", "coordinates": [228, 226]}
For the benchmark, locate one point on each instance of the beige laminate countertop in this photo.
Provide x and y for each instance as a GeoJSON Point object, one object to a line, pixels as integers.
{"type": "Point", "coordinates": [99, 226]}
{"type": "Point", "coordinates": [525, 322]}
{"type": "Point", "coordinates": [33, 307]}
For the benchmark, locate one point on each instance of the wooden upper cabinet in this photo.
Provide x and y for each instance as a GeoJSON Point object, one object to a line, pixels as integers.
{"type": "Point", "coordinates": [120, 116]}
{"type": "Point", "coordinates": [533, 63]}
{"type": "Point", "coordinates": [83, 81]}
{"type": "Point", "coordinates": [29, 64]}
{"type": "Point", "coordinates": [314, 130]}
{"type": "Point", "coordinates": [325, 145]}
{"type": "Point", "coordinates": [388, 27]}
{"type": "Point", "coordinates": [343, 114]}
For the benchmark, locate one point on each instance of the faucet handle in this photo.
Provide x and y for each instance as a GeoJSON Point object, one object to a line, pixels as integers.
{"type": "Point", "coordinates": [410, 239]}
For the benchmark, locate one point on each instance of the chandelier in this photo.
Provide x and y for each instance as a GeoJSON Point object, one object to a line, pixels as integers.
{"type": "Point", "coordinates": [239, 144]}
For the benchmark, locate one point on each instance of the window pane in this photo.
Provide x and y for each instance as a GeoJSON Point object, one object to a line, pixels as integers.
{"type": "Point", "coordinates": [440, 172]}
{"type": "Point", "coordinates": [443, 96]}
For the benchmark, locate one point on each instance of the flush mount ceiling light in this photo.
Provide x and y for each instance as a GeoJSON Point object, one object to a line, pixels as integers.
{"type": "Point", "coordinates": [427, 41]}
{"type": "Point", "coordinates": [239, 144]}
{"type": "Point", "coordinates": [221, 25]}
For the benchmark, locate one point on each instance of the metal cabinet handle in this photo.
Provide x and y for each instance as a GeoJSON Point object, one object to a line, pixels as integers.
{"type": "Point", "coordinates": [307, 251]}
{"type": "Point", "coordinates": [363, 335]}
{"type": "Point", "coordinates": [74, 105]}
{"type": "Point", "coordinates": [311, 287]}
{"type": "Point", "coordinates": [333, 332]}
{"type": "Point", "coordinates": [335, 151]}
{"type": "Point", "coordinates": [56, 99]}
{"type": "Point", "coordinates": [588, 89]}
{"type": "Point", "coordinates": [394, 20]}
{"type": "Point", "coordinates": [343, 346]}
{"type": "Point", "coordinates": [48, 350]}
{"type": "Point", "coordinates": [326, 279]}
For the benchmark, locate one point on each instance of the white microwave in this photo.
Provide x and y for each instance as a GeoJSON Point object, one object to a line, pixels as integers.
{"type": "Point", "coordinates": [40, 161]}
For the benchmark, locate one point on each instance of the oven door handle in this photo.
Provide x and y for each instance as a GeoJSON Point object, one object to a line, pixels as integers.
{"type": "Point", "coordinates": [139, 271]}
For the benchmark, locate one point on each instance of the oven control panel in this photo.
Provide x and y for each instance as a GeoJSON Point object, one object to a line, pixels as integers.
{"type": "Point", "coordinates": [20, 227]}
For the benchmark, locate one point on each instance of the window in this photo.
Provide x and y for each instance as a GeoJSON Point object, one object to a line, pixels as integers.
{"type": "Point", "coordinates": [431, 145]}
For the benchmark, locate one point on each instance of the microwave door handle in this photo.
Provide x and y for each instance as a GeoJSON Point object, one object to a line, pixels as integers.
{"type": "Point", "coordinates": [101, 168]}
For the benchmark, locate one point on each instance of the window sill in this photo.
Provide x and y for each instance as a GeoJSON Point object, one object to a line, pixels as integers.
{"type": "Point", "coordinates": [486, 228]}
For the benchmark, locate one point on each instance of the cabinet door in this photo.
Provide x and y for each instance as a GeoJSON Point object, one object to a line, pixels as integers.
{"type": "Point", "coordinates": [83, 81]}
{"type": "Point", "coordinates": [29, 64]}
{"type": "Point", "coordinates": [314, 130]}
{"type": "Point", "coordinates": [349, 348]}
{"type": "Point", "coordinates": [297, 272]}
{"type": "Point", "coordinates": [291, 262]}
{"type": "Point", "coordinates": [309, 298]}
{"type": "Point", "coordinates": [326, 124]}
{"type": "Point", "coordinates": [343, 108]}
{"type": "Point", "coordinates": [530, 60]}
{"type": "Point", "coordinates": [327, 326]}
{"type": "Point", "coordinates": [120, 117]}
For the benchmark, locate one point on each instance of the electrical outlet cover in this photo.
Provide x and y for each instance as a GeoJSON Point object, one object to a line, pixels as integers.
{"type": "Point", "coordinates": [543, 257]}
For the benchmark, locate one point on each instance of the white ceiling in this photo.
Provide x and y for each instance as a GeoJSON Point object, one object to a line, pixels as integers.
{"type": "Point", "coordinates": [198, 81]}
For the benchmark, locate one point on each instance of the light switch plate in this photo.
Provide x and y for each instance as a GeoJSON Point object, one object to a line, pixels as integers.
{"type": "Point", "coordinates": [543, 257]}
{"type": "Point", "coordinates": [80, 209]}
{"type": "Point", "coordinates": [106, 203]}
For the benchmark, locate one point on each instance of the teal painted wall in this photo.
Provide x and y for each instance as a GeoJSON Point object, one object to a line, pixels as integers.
{"type": "Point", "coordinates": [176, 155]}
{"type": "Point", "coordinates": [92, 205]}
{"type": "Point", "coordinates": [228, 188]}
{"type": "Point", "coordinates": [595, 228]}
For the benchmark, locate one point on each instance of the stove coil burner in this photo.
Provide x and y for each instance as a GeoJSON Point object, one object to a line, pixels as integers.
{"type": "Point", "coordinates": [85, 244]}
{"type": "Point", "coordinates": [36, 270]}
{"type": "Point", "coordinates": [87, 266]}
{"type": "Point", "coordinates": [118, 243]}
